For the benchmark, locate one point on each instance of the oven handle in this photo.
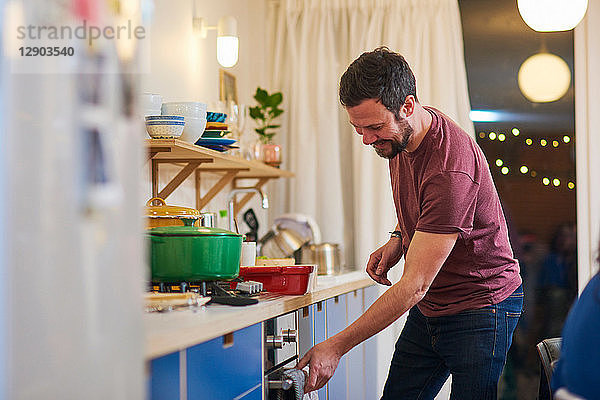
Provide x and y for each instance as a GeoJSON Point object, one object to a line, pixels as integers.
{"type": "Point", "coordinates": [283, 384]}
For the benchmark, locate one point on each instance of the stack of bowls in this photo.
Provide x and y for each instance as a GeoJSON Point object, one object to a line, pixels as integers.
{"type": "Point", "coordinates": [151, 104]}
{"type": "Point", "coordinates": [195, 118]}
{"type": "Point", "coordinates": [164, 126]}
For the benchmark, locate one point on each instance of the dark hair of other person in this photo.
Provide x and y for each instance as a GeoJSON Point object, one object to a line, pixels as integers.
{"type": "Point", "coordinates": [379, 74]}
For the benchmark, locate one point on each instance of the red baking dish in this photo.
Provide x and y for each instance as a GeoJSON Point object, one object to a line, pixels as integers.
{"type": "Point", "coordinates": [291, 279]}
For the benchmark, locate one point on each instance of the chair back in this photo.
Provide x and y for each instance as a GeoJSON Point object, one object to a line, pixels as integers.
{"type": "Point", "coordinates": [549, 351]}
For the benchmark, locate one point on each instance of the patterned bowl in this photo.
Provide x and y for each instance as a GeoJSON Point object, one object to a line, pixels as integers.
{"type": "Point", "coordinates": [164, 129]}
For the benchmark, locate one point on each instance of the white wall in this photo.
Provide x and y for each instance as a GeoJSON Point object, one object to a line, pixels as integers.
{"type": "Point", "coordinates": [587, 119]}
{"type": "Point", "coordinates": [184, 67]}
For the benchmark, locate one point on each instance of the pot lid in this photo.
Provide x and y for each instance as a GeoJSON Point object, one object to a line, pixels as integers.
{"type": "Point", "coordinates": [165, 211]}
{"type": "Point", "coordinates": [190, 231]}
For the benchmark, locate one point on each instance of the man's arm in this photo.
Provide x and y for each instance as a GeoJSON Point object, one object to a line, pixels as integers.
{"type": "Point", "coordinates": [425, 256]}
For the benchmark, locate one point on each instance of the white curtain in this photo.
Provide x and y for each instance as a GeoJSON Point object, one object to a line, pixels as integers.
{"type": "Point", "coordinates": [339, 181]}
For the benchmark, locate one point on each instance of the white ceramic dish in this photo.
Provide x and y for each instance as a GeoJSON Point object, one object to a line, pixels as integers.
{"type": "Point", "coordinates": [193, 130]}
{"type": "Point", "coordinates": [151, 101]}
{"type": "Point", "coordinates": [164, 129]}
{"type": "Point", "coordinates": [187, 109]}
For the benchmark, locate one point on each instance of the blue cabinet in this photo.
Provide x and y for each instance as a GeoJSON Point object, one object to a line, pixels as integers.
{"type": "Point", "coordinates": [355, 358]}
{"type": "Point", "coordinates": [320, 334]}
{"type": "Point", "coordinates": [371, 294]}
{"type": "Point", "coordinates": [225, 367]}
{"type": "Point", "coordinates": [336, 322]}
{"type": "Point", "coordinates": [164, 377]}
{"type": "Point", "coordinates": [230, 367]}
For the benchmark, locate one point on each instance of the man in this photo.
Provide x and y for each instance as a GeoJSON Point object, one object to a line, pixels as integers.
{"type": "Point", "coordinates": [459, 268]}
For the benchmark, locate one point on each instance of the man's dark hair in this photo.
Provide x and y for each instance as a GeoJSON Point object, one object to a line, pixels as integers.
{"type": "Point", "coordinates": [379, 74]}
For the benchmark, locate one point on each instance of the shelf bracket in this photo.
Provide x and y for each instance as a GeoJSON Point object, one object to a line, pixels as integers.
{"type": "Point", "coordinates": [202, 201]}
{"type": "Point", "coordinates": [239, 205]}
{"type": "Point", "coordinates": [153, 151]}
{"type": "Point", "coordinates": [186, 171]}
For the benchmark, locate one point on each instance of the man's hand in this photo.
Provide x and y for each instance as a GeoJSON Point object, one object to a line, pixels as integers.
{"type": "Point", "coordinates": [383, 259]}
{"type": "Point", "coordinates": [323, 359]}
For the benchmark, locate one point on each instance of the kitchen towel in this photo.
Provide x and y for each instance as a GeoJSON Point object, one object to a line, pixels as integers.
{"type": "Point", "coordinates": [299, 377]}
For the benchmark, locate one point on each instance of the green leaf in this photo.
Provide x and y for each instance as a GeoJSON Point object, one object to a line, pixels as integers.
{"type": "Point", "coordinates": [261, 96]}
{"type": "Point", "coordinates": [256, 113]}
{"type": "Point", "coordinates": [272, 126]}
{"type": "Point", "coordinates": [276, 112]}
{"type": "Point", "coordinates": [275, 99]}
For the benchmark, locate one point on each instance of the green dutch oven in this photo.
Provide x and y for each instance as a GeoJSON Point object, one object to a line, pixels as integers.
{"type": "Point", "coordinates": [191, 254]}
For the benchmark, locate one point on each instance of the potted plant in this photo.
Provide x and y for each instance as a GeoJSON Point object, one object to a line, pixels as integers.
{"type": "Point", "coordinates": [263, 114]}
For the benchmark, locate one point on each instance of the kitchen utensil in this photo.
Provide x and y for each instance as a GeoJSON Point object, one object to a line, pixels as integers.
{"type": "Point", "coordinates": [326, 255]}
{"type": "Point", "coordinates": [292, 279]}
{"type": "Point", "coordinates": [304, 225]}
{"type": "Point", "coordinates": [193, 254]}
{"type": "Point", "coordinates": [252, 222]}
{"type": "Point", "coordinates": [281, 243]}
{"type": "Point", "coordinates": [208, 219]}
{"type": "Point", "coordinates": [166, 215]}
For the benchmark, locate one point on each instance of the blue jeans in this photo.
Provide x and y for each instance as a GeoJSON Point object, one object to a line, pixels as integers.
{"type": "Point", "coordinates": [471, 345]}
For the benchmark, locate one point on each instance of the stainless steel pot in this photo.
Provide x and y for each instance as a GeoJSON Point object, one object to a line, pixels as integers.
{"type": "Point", "coordinates": [326, 255]}
{"type": "Point", "coordinates": [281, 243]}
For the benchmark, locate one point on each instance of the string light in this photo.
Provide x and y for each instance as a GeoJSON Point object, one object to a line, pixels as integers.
{"type": "Point", "coordinates": [533, 174]}
{"type": "Point", "coordinates": [515, 131]}
{"type": "Point", "coordinates": [482, 134]}
{"type": "Point", "coordinates": [492, 135]}
{"type": "Point", "coordinates": [528, 142]}
{"type": "Point", "coordinates": [543, 142]}
{"type": "Point", "coordinates": [545, 181]}
{"type": "Point", "coordinates": [571, 185]}
{"type": "Point", "coordinates": [524, 169]}
{"type": "Point", "coordinates": [555, 143]}
{"type": "Point", "coordinates": [504, 170]}
{"type": "Point", "coordinates": [499, 162]}
{"type": "Point", "coordinates": [556, 182]}
{"type": "Point", "coordinates": [566, 139]}
{"type": "Point", "coordinates": [502, 137]}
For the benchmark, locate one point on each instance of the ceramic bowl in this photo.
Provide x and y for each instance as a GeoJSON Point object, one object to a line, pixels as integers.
{"type": "Point", "coordinates": [165, 118]}
{"type": "Point", "coordinates": [164, 129]}
{"type": "Point", "coordinates": [151, 101]}
{"type": "Point", "coordinates": [188, 109]}
{"type": "Point", "coordinates": [194, 127]}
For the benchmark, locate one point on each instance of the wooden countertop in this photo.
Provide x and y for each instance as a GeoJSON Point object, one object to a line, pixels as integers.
{"type": "Point", "coordinates": [173, 331]}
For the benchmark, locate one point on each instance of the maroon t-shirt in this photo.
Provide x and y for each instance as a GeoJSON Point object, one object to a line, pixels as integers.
{"type": "Point", "coordinates": [445, 186]}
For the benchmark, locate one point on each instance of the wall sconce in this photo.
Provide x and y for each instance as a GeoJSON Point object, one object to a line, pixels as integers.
{"type": "Point", "coordinates": [544, 77]}
{"type": "Point", "coordinates": [227, 39]}
{"type": "Point", "coordinates": [552, 15]}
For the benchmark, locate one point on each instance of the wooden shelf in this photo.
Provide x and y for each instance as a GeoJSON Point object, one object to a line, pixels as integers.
{"type": "Point", "coordinates": [196, 159]}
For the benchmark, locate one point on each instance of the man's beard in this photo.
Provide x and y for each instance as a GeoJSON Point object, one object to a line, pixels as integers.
{"type": "Point", "coordinates": [395, 146]}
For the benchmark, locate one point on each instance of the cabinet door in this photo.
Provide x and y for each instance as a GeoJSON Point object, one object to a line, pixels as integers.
{"type": "Point", "coordinates": [305, 330]}
{"type": "Point", "coordinates": [225, 367]}
{"type": "Point", "coordinates": [371, 294]}
{"type": "Point", "coordinates": [320, 334]}
{"type": "Point", "coordinates": [164, 377]}
{"type": "Point", "coordinates": [355, 358]}
{"type": "Point", "coordinates": [336, 322]}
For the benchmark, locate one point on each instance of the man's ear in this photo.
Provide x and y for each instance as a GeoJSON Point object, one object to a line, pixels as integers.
{"type": "Point", "coordinates": [409, 105]}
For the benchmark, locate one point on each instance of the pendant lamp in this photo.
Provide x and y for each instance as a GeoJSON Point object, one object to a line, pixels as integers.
{"type": "Point", "coordinates": [552, 15]}
{"type": "Point", "coordinates": [544, 77]}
